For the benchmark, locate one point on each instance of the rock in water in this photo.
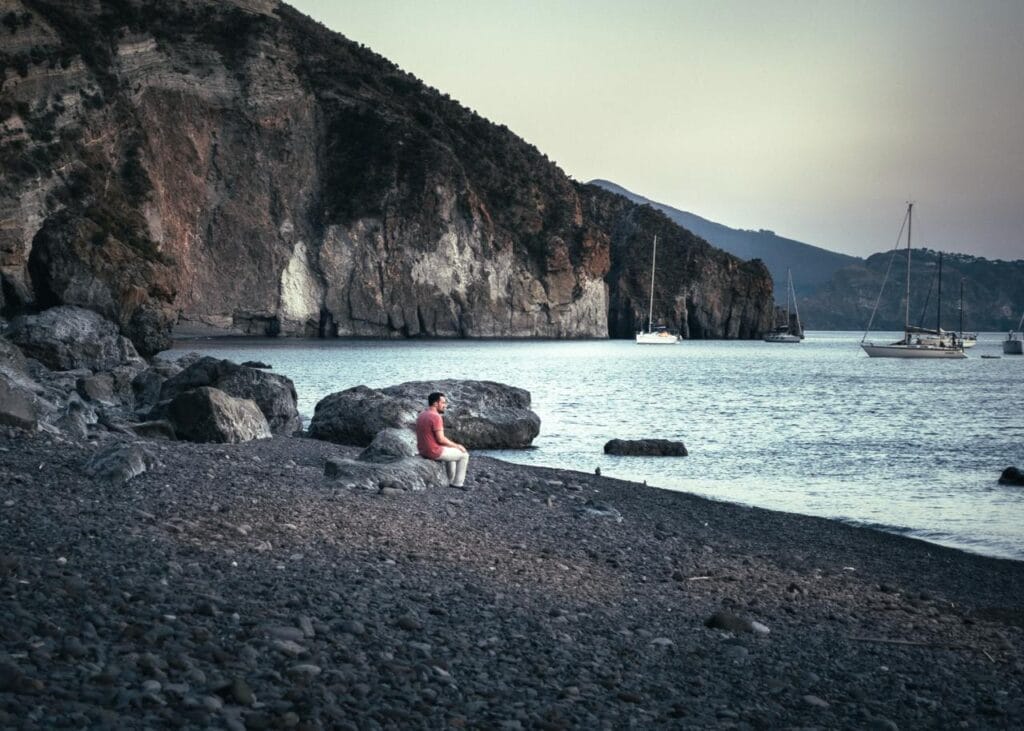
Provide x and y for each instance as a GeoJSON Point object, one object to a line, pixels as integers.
{"type": "Point", "coordinates": [645, 448]}
{"type": "Point", "coordinates": [274, 394]}
{"type": "Point", "coordinates": [210, 415]}
{"type": "Point", "coordinates": [1012, 476]}
{"type": "Point", "coordinates": [66, 338]}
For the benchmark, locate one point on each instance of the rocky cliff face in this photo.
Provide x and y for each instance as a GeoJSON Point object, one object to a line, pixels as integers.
{"type": "Point", "coordinates": [238, 167]}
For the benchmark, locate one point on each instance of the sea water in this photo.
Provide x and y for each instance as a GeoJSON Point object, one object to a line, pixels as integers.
{"type": "Point", "coordinates": [909, 446]}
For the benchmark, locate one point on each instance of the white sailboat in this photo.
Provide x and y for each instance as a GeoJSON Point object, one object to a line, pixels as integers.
{"type": "Point", "coordinates": [1014, 343]}
{"type": "Point", "coordinates": [655, 335]}
{"type": "Point", "coordinates": [917, 342]}
{"type": "Point", "coordinates": [783, 334]}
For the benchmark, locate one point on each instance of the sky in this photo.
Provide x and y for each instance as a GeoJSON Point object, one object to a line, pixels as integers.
{"type": "Point", "coordinates": [816, 120]}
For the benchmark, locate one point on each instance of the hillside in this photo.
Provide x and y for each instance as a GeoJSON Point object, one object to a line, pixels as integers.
{"type": "Point", "coordinates": [993, 293]}
{"type": "Point", "coordinates": [235, 167]}
{"type": "Point", "coordinates": [812, 266]}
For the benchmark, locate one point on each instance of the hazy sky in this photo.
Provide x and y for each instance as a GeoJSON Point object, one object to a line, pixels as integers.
{"type": "Point", "coordinates": [818, 120]}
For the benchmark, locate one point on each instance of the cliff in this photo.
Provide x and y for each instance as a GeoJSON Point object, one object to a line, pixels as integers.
{"type": "Point", "coordinates": [237, 167]}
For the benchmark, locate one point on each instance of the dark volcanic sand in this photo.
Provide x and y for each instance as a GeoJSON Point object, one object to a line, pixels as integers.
{"type": "Point", "coordinates": [235, 586]}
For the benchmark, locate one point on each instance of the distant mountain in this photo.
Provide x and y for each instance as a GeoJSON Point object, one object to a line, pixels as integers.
{"type": "Point", "coordinates": [811, 266]}
{"type": "Point", "coordinates": [993, 293]}
{"type": "Point", "coordinates": [838, 292]}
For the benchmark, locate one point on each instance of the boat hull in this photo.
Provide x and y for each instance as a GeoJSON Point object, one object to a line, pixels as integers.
{"type": "Point", "coordinates": [899, 350]}
{"type": "Point", "coordinates": [1013, 347]}
{"type": "Point", "coordinates": [784, 338]}
{"type": "Point", "coordinates": [656, 339]}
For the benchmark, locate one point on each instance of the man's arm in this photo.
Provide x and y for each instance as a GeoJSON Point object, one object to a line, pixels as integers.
{"type": "Point", "coordinates": [445, 441]}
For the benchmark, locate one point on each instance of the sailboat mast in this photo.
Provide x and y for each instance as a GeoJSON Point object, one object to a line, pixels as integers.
{"type": "Point", "coordinates": [938, 306]}
{"type": "Point", "coordinates": [906, 316]}
{"type": "Point", "coordinates": [961, 308]}
{"type": "Point", "coordinates": [650, 310]}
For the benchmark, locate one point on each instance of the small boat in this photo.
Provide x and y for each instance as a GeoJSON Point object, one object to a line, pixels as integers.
{"type": "Point", "coordinates": [655, 335]}
{"type": "Point", "coordinates": [1014, 343]}
{"type": "Point", "coordinates": [783, 334]}
{"type": "Point", "coordinates": [917, 342]}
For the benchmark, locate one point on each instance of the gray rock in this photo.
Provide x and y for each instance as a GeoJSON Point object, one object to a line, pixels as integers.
{"type": "Point", "coordinates": [731, 623]}
{"type": "Point", "coordinates": [98, 388]}
{"type": "Point", "coordinates": [274, 394]}
{"type": "Point", "coordinates": [119, 463]}
{"type": "Point", "coordinates": [1011, 476]}
{"type": "Point", "coordinates": [211, 415]}
{"type": "Point", "coordinates": [17, 405]}
{"type": "Point", "coordinates": [356, 415]}
{"type": "Point", "coordinates": [65, 338]}
{"type": "Point", "coordinates": [157, 429]}
{"type": "Point", "coordinates": [481, 414]}
{"type": "Point", "coordinates": [593, 509]}
{"type": "Point", "coordinates": [390, 445]}
{"type": "Point", "coordinates": [409, 473]}
{"type": "Point", "coordinates": [645, 448]}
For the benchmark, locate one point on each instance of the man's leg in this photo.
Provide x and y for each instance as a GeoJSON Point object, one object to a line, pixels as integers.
{"type": "Point", "coordinates": [455, 463]}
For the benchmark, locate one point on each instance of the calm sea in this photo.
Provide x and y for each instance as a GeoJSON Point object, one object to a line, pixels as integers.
{"type": "Point", "coordinates": [908, 446]}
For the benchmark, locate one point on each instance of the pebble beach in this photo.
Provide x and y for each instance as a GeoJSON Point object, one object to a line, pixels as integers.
{"type": "Point", "coordinates": [236, 586]}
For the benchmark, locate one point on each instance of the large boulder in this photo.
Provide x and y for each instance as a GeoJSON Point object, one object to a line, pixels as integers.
{"type": "Point", "coordinates": [66, 338]}
{"type": "Point", "coordinates": [211, 415]}
{"type": "Point", "coordinates": [480, 415]}
{"type": "Point", "coordinates": [645, 448]}
{"type": "Point", "coordinates": [274, 394]}
{"type": "Point", "coordinates": [356, 415]}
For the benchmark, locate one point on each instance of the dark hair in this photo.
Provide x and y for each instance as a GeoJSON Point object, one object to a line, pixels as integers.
{"type": "Point", "coordinates": [434, 398]}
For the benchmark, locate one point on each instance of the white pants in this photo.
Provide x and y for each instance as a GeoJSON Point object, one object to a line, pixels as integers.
{"type": "Point", "coordinates": [455, 463]}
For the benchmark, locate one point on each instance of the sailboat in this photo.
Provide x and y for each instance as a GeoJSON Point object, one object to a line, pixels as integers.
{"type": "Point", "coordinates": [936, 337]}
{"type": "Point", "coordinates": [917, 342]}
{"type": "Point", "coordinates": [783, 334]}
{"type": "Point", "coordinates": [659, 335]}
{"type": "Point", "coordinates": [1014, 343]}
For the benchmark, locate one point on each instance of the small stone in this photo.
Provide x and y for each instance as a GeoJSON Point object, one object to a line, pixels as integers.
{"type": "Point", "coordinates": [305, 670]}
{"type": "Point", "coordinates": [409, 622]}
{"type": "Point", "coordinates": [813, 700]}
{"type": "Point", "coordinates": [242, 693]}
{"type": "Point", "coordinates": [662, 642]}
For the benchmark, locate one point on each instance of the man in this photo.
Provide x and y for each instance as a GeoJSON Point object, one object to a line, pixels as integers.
{"type": "Point", "coordinates": [433, 444]}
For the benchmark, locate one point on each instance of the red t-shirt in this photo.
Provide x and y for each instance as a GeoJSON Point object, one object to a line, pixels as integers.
{"type": "Point", "coordinates": [427, 423]}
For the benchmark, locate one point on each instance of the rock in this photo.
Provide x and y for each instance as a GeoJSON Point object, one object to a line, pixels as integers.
{"type": "Point", "coordinates": [481, 415]}
{"type": "Point", "coordinates": [408, 473]}
{"type": "Point", "coordinates": [592, 509]}
{"type": "Point", "coordinates": [157, 429]}
{"type": "Point", "coordinates": [146, 385]}
{"type": "Point", "coordinates": [255, 364]}
{"type": "Point", "coordinates": [274, 394]}
{"type": "Point", "coordinates": [1012, 476]}
{"type": "Point", "coordinates": [210, 415]}
{"type": "Point", "coordinates": [731, 623]}
{"type": "Point", "coordinates": [76, 419]}
{"type": "Point", "coordinates": [98, 388]}
{"type": "Point", "coordinates": [12, 361]}
{"type": "Point", "coordinates": [65, 338]}
{"type": "Point", "coordinates": [17, 405]}
{"type": "Point", "coordinates": [645, 448]}
{"type": "Point", "coordinates": [390, 445]}
{"type": "Point", "coordinates": [119, 463]}
{"type": "Point", "coordinates": [356, 415]}
{"type": "Point", "coordinates": [813, 700]}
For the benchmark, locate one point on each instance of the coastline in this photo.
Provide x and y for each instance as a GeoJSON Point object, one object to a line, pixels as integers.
{"type": "Point", "coordinates": [236, 586]}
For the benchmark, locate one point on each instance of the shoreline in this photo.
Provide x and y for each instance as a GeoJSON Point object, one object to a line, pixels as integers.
{"type": "Point", "coordinates": [236, 586]}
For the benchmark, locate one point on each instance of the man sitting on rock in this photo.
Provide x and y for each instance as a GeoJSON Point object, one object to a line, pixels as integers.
{"type": "Point", "coordinates": [433, 444]}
